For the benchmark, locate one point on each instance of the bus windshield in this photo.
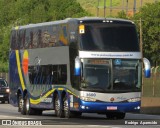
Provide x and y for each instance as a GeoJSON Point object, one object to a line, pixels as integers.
{"type": "Point", "coordinates": [126, 75]}
{"type": "Point", "coordinates": [96, 74]}
{"type": "Point", "coordinates": [99, 76]}
{"type": "Point", "coordinates": [109, 37]}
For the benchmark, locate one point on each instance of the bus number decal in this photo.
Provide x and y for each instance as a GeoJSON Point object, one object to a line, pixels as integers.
{"type": "Point", "coordinates": [91, 94]}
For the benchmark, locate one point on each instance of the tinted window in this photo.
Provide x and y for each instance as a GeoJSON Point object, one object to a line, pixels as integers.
{"type": "Point", "coordinates": [96, 74]}
{"type": "Point", "coordinates": [48, 74]}
{"type": "Point", "coordinates": [109, 37]}
{"type": "Point", "coordinates": [126, 76]}
{"type": "Point", "coordinates": [39, 37]}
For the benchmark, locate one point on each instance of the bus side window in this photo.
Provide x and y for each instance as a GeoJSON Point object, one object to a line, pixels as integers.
{"type": "Point", "coordinates": [54, 74]}
{"type": "Point", "coordinates": [62, 74]}
{"type": "Point", "coordinates": [48, 74]}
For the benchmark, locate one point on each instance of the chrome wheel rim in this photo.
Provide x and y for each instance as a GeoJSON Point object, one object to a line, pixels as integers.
{"type": "Point", "coordinates": [27, 104]}
{"type": "Point", "coordinates": [21, 102]}
{"type": "Point", "coordinates": [57, 106]}
{"type": "Point", "coordinates": [66, 108]}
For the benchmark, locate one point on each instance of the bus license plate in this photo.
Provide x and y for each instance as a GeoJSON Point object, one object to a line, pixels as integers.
{"type": "Point", "coordinates": [112, 108]}
{"type": "Point", "coordinates": [1, 96]}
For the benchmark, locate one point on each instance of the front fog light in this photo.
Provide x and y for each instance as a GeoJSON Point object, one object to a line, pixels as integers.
{"type": "Point", "coordinates": [83, 107]}
{"type": "Point", "coordinates": [137, 108]}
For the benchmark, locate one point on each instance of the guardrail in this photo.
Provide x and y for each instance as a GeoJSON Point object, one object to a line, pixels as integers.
{"type": "Point", "coordinates": [151, 86]}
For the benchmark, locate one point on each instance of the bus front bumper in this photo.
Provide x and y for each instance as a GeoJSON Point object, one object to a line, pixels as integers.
{"type": "Point", "coordinates": [102, 107]}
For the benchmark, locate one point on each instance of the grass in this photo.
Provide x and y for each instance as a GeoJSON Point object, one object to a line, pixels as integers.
{"type": "Point", "coordinates": [117, 6]}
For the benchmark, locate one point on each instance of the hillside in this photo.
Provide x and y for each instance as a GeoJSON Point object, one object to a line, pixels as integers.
{"type": "Point", "coordinates": [112, 8]}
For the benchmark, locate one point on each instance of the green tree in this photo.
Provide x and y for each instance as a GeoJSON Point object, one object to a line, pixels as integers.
{"type": "Point", "coordinates": [67, 8]}
{"type": "Point", "coordinates": [21, 12]}
{"type": "Point", "coordinates": [151, 31]}
{"type": "Point", "coordinates": [122, 14]}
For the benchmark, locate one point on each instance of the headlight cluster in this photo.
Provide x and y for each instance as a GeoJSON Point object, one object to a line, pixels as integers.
{"type": "Point", "coordinates": [7, 90]}
{"type": "Point", "coordinates": [134, 99]}
{"type": "Point", "coordinates": [87, 98]}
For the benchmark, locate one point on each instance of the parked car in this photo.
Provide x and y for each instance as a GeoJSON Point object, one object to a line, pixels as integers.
{"type": "Point", "coordinates": [4, 91]}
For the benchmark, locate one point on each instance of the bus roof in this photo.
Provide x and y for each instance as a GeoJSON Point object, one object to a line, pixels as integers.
{"type": "Point", "coordinates": [83, 19]}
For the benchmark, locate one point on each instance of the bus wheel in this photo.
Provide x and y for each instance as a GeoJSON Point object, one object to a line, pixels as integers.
{"type": "Point", "coordinates": [110, 116]}
{"type": "Point", "coordinates": [118, 115]}
{"type": "Point", "coordinates": [58, 110]}
{"type": "Point", "coordinates": [29, 110]}
{"type": "Point", "coordinates": [67, 113]}
{"type": "Point", "coordinates": [22, 106]}
{"type": "Point", "coordinates": [121, 115]}
{"type": "Point", "coordinates": [20, 103]}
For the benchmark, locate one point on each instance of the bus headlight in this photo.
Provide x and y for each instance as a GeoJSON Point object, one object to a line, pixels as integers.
{"type": "Point", "coordinates": [134, 99]}
{"type": "Point", "coordinates": [87, 98]}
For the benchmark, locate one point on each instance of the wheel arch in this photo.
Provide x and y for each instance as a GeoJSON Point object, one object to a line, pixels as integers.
{"type": "Point", "coordinates": [25, 92]}
{"type": "Point", "coordinates": [55, 93]}
{"type": "Point", "coordinates": [19, 92]}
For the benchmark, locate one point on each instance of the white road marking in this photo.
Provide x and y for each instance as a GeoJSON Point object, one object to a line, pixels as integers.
{"type": "Point", "coordinates": [13, 117]}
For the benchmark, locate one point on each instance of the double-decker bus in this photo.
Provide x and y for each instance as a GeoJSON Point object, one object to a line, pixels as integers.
{"type": "Point", "coordinates": [75, 66]}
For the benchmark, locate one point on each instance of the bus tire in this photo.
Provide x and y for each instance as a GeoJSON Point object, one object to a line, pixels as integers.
{"type": "Point", "coordinates": [29, 110]}
{"type": "Point", "coordinates": [67, 112]}
{"type": "Point", "coordinates": [121, 115]}
{"type": "Point", "coordinates": [20, 103]}
{"type": "Point", "coordinates": [117, 115]}
{"type": "Point", "coordinates": [57, 107]}
{"type": "Point", "coordinates": [23, 106]}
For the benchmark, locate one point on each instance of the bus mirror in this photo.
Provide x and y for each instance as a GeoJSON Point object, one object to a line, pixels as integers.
{"type": "Point", "coordinates": [77, 69]}
{"type": "Point", "coordinates": [147, 68]}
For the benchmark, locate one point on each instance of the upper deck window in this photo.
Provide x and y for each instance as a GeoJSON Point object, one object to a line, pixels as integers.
{"type": "Point", "coordinates": [108, 37]}
{"type": "Point", "coordinates": [39, 37]}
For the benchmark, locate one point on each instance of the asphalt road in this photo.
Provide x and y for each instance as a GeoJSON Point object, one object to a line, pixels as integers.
{"type": "Point", "coordinates": [48, 119]}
